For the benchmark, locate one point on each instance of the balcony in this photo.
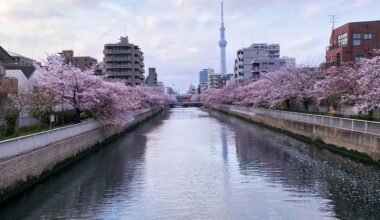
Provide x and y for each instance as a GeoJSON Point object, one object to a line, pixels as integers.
{"type": "Point", "coordinates": [125, 58]}
{"type": "Point", "coordinates": [335, 46]}
{"type": "Point", "coordinates": [121, 73]}
{"type": "Point", "coordinates": [327, 65]}
{"type": "Point", "coordinates": [119, 66]}
{"type": "Point", "coordinates": [110, 51]}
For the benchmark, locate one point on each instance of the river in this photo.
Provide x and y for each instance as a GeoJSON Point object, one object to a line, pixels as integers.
{"type": "Point", "coordinates": [192, 164]}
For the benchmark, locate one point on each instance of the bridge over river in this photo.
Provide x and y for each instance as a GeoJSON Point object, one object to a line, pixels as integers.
{"type": "Point", "coordinates": [192, 164]}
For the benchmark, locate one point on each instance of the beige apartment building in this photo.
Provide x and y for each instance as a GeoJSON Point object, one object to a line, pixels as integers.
{"type": "Point", "coordinates": [124, 60]}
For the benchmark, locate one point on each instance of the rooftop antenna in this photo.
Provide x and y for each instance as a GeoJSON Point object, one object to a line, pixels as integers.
{"type": "Point", "coordinates": [125, 28]}
{"type": "Point", "coordinates": [333, 20]}
{"type": "Point", "coordinates": [222, 12]}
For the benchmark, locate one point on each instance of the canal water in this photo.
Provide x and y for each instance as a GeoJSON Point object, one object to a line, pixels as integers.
{"type": "Point", "coordinates": [193, 164]}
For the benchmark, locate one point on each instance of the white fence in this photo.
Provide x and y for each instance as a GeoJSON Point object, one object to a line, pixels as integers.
{"type": "Point", "coordinates": [367, 127]}
{"type": "Point", "coordinates": [19, 145]}
{"type": "Point", "coordinates": [27, 143]}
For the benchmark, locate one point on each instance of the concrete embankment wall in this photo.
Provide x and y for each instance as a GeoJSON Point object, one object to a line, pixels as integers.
{"type": "Point", "coordinates": [365, 144]}
{"type": "Point", "coordinates": [26, 168]}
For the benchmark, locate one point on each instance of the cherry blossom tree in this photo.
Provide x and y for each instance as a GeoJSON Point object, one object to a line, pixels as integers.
{"type": "Point", "coordinates": [367, 97]}
{"type": "Point", "coordinates": [291, 83]}
{"type": "Point", "coordinates": [40, 101]}
{"type": "Point", "coordinates": [194, 98]}
{"type": "Point", "coordinates": [108, 100]}
{"type": "Point", "coordinates": [352, 84]}
{"type": "Point", "coordinates": [338, 86]}
{"type": "Point", "coordinates": [69, 83]}
{"type": "Point", "coordinates": [272, 90]}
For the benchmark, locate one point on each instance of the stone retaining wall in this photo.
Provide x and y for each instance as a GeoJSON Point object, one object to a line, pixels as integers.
{"type": "Point", "coordinates": [19, 171]}
{"type": "Point", "coordinates": [350, 140]}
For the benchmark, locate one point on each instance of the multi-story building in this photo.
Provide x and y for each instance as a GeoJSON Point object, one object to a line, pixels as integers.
{"type": "Point", "coordinates": [353, 41]}
{"type": "Point", "coordinates": [264, 65]}
{"type": "Point", "coordinates": [216, 80]}
{"type": "Point", "coordinates": [267, 56]}
{"type": "Point", "coordinates": [8, 85]}
{"type": "Point", "coordinates": [191, 89]}
{"type": "Point", "coordinates": [161, 86]}
{"type": "Point", "coordinates": [82, 62]}
{"type": "Point", "coordinates": [151, 79]}
{"type": "Point", "coordinates": [243, 62]}
{"type": "Point", "coordinates": [203, 76]}
{"type": "Point", "coordinates": [20, 64]}
{"type": "Point", "coordinates": [125, 61]}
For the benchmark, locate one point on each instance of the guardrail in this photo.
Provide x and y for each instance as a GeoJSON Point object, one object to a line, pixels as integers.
{"type": "Point", "coordinates": [363, 126]}
{"type": "Point", "coordinates": [19, 145]}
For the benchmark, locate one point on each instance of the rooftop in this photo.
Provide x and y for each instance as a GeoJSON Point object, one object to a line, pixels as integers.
{"type": "Point", "coordinates": [13, 54]}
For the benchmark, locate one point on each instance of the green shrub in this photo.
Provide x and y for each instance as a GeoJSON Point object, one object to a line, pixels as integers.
{"type": "Point", "coordinates": [86, 115]}
{"type": "Point", "coordinates": [11, 124]}
{"type": "Point", "coordinates": [65, 117]}
{"type": "Point", "coordinates": [363, 117]}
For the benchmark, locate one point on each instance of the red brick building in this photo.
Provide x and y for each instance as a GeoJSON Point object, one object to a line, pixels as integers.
{"type": "Point", "coordinates": [353, 41]}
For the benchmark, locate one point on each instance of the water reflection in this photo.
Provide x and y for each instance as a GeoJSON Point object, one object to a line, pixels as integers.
{"type": "Point", "coordinates": [348, 189]}
{"type": "Point", "coordinates": [195, 165]}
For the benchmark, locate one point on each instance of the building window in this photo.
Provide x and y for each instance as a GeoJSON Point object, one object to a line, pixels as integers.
{"type": "Point", "coordinates": [356, 39]}
{"type": "Point", "coordinates": [368, 36]}
{"type": "Point", "coordinates": [358, 58]}
{"type": "Point", "coordinates": [342, 40]}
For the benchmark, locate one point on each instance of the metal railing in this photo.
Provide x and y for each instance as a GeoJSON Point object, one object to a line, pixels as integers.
{"type": "Point", "coordinates": [368, 127]}
{"type": "Point", "coordinates": [122, 51]}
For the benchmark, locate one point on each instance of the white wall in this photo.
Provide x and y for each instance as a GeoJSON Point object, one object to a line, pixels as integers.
{"type": "Point", "coordinates": [23, 82]}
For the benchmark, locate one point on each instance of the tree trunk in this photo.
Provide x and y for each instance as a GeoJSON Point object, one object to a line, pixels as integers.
{"type": "Point", "coordinates": [306, 104]}
{"type": "Point", "coordinates": [370, 113]}
{"type": "Point", "coordinates": [77, 115]}
{"type": "Point", "coordinates": [39, 121]}
{"type": "Point", "coordinates": [339, 107]}
{"type": "Point", "coordinates": [287, 104]}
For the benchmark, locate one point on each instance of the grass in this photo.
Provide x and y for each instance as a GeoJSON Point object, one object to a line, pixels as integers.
{"type": "Point", "coordinates": [44, 127]}
{"type": "Point", "coordinates": [29, 130]}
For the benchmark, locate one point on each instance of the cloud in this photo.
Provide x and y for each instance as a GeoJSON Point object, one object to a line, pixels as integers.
{"type": "Point", "coordinates": [312, 10]}
{"type": "Point", "coordinates": [179, 37]}
{"type": "Point", "coordinates": [148, 22]}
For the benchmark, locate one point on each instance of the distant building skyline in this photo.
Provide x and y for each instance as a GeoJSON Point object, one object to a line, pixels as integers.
{"type": "Point", "coordinates": [151, 79]}
{"type": "Point", "coordinates": [163, 28]}
{"type": "Point", "coordinates": [203, 76]}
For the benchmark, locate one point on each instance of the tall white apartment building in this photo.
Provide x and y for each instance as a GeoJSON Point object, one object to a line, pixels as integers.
{"type": "Point", "coordinates": [269, 53]}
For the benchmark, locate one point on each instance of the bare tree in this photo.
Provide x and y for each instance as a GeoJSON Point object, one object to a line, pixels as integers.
{"type": "Point", "coordinates": [41, 101]}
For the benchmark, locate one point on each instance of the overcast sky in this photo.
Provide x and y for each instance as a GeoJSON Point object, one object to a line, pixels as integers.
{"type": "Point", "coordinates": [178, 37]}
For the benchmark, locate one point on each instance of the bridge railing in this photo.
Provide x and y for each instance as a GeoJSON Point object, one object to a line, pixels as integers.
{"type": "Point", "coordinates": [368, 127]}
